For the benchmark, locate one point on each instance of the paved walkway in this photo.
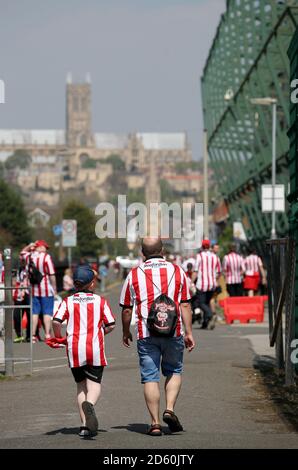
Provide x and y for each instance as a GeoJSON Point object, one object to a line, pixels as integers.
{"type": "Point", "coordinates": [223, 403]}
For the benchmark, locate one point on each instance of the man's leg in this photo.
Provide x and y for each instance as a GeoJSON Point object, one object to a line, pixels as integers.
{"type": "Point", "coordinates": [172, 388]}
{"type": "Point", "coordinates": [35, 323]}
{"type": "Point", "coordinates": [204, 305]}
{"type": "Point", "coordinates": [152, 399]}
{"type": "Point", "coordinates": [239, 290]}
{"type": "Point", "coordinates": [231, 290]}
{"type": "Point", "coordinates": [47, 319]}
{"type": "Point", "coordinates": [47, 310]}
{"type": "Point", "coordinates": [17, 321]}
{"type": "Point", "coordinates": [36, 307]}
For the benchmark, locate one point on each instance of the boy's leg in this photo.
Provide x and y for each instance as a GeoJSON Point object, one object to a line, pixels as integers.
{"type": "Point", "coordinates": [81, 397]}
{"type": "Point", "coordinates": [93, 390]}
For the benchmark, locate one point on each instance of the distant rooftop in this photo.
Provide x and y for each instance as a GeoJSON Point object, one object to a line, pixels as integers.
{"type": "Point", "coordinates": [109, 141]}
{"type": "Point", "coordinates": [32, 137]}
{"type": "Point", "coordinates": [163, 141]}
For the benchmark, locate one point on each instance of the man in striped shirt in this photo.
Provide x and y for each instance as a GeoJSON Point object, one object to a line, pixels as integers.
{"type": "Point", "coordinates": [233, 269]}
{"type": "Point", "coordinates": [89, 318]}
{"type": "Point", "coordinates": [253, 269]}
{"type": "Point", "coordinates": [142, 286]}
{"type": "Point", "coordinates": [207, 271]}
{"type": "Point", "coordinates": [44, 292]}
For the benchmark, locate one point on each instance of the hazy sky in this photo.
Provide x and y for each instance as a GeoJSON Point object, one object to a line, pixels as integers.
{"type": "Point", "coordinates": [145, 58]}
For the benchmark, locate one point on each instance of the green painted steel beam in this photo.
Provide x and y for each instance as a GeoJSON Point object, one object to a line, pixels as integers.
{"type": "Point", "coordinates": [247, 60]}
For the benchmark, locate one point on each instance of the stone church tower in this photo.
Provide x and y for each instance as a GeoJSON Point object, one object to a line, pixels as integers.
{"type": "Point", "coordinates": [78, 114]}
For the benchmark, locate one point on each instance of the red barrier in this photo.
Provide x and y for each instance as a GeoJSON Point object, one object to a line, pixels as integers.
{"type": "Point", "coordinates": [25, 320]}
{"type": "Point", "coordinates": [244, 309]}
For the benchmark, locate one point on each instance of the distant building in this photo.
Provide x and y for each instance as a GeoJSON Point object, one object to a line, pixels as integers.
{"type": "Point", "coordinates": [38, 218]}
{"type": "Point", "coordinates": [78, 142]}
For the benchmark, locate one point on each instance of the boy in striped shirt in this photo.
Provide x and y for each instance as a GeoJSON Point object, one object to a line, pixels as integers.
{"type": "Point", "coordinates": [89, 318]}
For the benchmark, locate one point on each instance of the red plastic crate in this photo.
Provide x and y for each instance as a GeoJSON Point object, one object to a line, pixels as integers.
{"type": "Point", "coordinates": [244, 309]}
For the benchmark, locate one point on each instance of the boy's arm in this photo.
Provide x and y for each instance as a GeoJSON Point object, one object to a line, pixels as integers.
{"type": "Point", "coordinates": [108, 329]}
{"type": "Point", "coordinates": [57, 328]}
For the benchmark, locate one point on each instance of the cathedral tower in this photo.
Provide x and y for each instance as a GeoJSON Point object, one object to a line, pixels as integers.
{"type": "Point", "coordinates": [78, 114]}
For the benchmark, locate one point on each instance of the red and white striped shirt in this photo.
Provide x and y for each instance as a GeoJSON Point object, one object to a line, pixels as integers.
{"type": "Point", "coordinates": [146, 283]}
{"type": "Point", "coordinates": [44, 263]}
{"type": "Point", "coordinates": [233, 266]}
{"type": "Point", "coordinates": [252, 264]}
{"type": "Point", "coordinates": [208, 268]}
{"type": "Point", "coordinates": [86, 315]}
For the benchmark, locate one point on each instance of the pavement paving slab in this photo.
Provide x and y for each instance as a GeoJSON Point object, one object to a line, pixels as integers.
{"type": "Point", "coordinates": [222, 403]}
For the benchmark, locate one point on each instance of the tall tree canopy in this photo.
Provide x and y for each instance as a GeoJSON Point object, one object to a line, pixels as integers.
{"type": "Point", "coordinates": [14, 228]}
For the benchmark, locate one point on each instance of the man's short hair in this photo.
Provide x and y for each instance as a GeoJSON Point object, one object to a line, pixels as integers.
{"type": "Point", "coordinates": [151, 246]}
{"type": "Point", "coordinates": [232, 246]}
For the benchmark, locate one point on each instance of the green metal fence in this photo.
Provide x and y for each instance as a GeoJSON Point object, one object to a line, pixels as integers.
{"type": "Point", "coordinates": [293, 161]}
{"type": "Point", "coordinates": [248, 59]}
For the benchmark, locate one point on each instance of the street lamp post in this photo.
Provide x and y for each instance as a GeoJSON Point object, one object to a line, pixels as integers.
{"type": "Point", "coordinates": [271, 102]}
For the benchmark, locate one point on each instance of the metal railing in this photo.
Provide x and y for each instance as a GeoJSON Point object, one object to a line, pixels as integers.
{"type": "Point", "coordinates": [10, 359]}
{"type": "Point", "coordinates": [281, 285]}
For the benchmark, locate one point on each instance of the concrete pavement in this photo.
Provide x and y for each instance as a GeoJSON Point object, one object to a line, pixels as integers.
{"type": "Point", "coordinates": [223, 403]}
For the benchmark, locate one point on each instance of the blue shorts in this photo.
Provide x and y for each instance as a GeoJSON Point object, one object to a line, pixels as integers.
{"type": "Point", "coordinates": [155, 352]}
{"type": "Point", "coordinates": [43, 305]}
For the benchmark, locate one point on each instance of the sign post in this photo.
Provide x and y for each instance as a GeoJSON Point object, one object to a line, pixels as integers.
{"type": "Point", "coordinates": [8, 314]}
{"type": "Point", "coordinates": [273, 198]}
{"type": "Point", "coordinates": [69, 236]}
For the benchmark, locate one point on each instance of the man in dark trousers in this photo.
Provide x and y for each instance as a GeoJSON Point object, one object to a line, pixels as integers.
{"type": "Point", "coordinates": [142, 289]}
{"type": "Point", "coordinates": [233, 269]}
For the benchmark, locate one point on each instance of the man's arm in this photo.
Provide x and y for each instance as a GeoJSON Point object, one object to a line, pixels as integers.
{"type": "Point", "coordinates": [187, 321]}
{"type": "Point", "coordinates": [126, 320]}
{"type": "Point", "coordinates": [53, 283]}
{"type": "Point", "coordinates": [28, 248]}
{"type": "Point", "coordinates": [262, 271]}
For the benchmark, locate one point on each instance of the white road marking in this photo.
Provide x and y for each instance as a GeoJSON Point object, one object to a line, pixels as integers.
{"type": "Point", "coordinates": [50, 367]}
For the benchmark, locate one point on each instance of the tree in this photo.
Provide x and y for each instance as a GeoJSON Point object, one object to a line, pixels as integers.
{"type": "Point", "coordinates": [167, 193]}
{"type": "Point", "coordinates": [20, 159]}
{"type": "Point", "coordinates": [116, 162]}
{"type": "Point", "coordinates": [183, 168]}
{"type": "Point", "coordinates": [87, 242]}
{"type": "Point", "coordinates": [89, 163]}
{"type": "Point", "coordinates": [13, 218]}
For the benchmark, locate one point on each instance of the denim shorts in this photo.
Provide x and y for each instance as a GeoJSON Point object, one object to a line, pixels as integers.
{"type": "Point", "coordinates": [155, 352]}
{"type": "Point", "coordinates": [43, 305]}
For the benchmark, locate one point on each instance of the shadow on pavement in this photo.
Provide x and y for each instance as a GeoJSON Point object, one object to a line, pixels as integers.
{"type": "Point", "coordinates": [139, 428]}
{"type": "Point", "coordinates": [73, 431]}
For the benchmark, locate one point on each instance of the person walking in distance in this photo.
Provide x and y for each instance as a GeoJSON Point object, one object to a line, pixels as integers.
{"type": "Point", "coordinates": [233, 269]}
{"type": "Point", "coordinates": [40, 264]}
{"type": "Point", "coordinates": [254, 270]}
{"type": "Point", "coordinates": [207, 271]}
{"type": "Point", "coordinates": [159, 291]}
{"type": "Point", "coordinates": [89, 318]}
